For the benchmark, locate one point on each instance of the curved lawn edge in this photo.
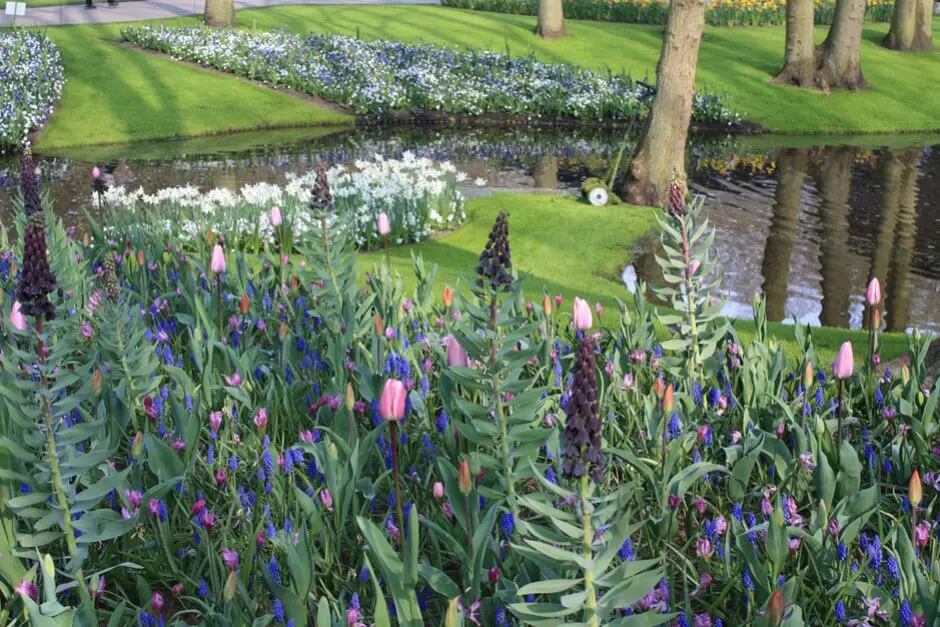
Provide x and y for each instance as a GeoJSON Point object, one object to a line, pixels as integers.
{"type": "Point", "coordinates": [557, 239]}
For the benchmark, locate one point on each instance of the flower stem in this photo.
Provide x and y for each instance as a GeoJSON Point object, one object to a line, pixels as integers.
{"type": "Point", "coordinates": [690, 299]}
{"type": "Point", "coordinates": [219, 303]}
{"type": "Point", "coordinates": [590, 607]}
{"type": "Point", "coordinates": [388, 256]}
{"type": "Point", "coordinates": [398, 495]}
{"type": "Point", "coordinates": [839, 422]}
{"type": "Point", "coordinates": [501, 417]}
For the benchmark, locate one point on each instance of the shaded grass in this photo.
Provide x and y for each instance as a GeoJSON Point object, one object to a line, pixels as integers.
{"type": "Point", "coordinates": [737, 62]}
{"type": "Point", "coordinates": [545, 243]}
{"type": "Point", "coordinates": [115, 94]}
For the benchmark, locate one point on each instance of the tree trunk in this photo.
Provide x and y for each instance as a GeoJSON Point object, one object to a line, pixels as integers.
{"type": "Point", "coordinates": [911, 28]}
{"type": "Point", "coordinates": [775, 268]}
{"type": "Point", "coordinates": [660, 156]}
{"type": "Point", "coordinates": [839, 63]}
{"type": "Point", "coordinates": [834, 183]}
{"type": "Point", "coordinates": [551, 20]}
{"type": "Point", "coordinates": [220, 13]}
{"type": "Point", "coordinates": [799, 62]}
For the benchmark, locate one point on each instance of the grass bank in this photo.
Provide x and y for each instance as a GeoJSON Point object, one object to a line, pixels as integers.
{"type": "Point", "coordinates": [547, 241]}
{"type": "Point", "coordinates": [116, 94]}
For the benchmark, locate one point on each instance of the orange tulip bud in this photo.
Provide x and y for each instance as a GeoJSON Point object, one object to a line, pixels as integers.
{"type": "Point", "coordinates": [915, 491]}
{"type": "Point", "coordinates": [282, 332]}
{"type": "Point", "coordinates": [140, 257]}
{"type": "Point", "coordinates": [379, 324]}
{"type": "Point", "coordinates": [659, 388]}
{"type": "Point", "coordinates": [547, 305]}
{"type": "Point", "coordinates": [245, 304]}
{"type": "Point", "coordinates": [448, 296]}
{"type": "Point", "coordinates": [808, 375]}
{"type": "Point", "coordinates": [876, 318]}
{"type": "Point", "coordinates": [137, 446]}
{"type": "Point", "coordinates": [463, 478]}
{"type": "Point", "coordinates": [96, 381]}
{"type": "Point", "coordinates": [775, 608]}
{"type": "Point", "coordinates": [210, 238]}
{"type": "Point", "coordinates": [669, 402]}
{"type": "Point", "coordinates": [294, 284]}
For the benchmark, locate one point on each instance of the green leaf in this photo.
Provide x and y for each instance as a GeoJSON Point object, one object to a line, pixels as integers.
{"type": "Point", "coordinates": [548, 586]}
{"type": "Point", "coordinates": [439, 582]}
{"type": "Point", "coordinates": [162, 459]}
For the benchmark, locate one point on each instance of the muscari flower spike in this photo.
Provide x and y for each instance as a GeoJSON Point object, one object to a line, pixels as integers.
{"type": "Point", "coordinates": [32, 201]}
{"type": "Point", "coordinates": [677, 207]}
{"type": "Point", "coordinates": [582, 454]}
{"type": "Point", "coordinates": [495, 267]}
{"type": "Point", "coordinates": [37, 281]}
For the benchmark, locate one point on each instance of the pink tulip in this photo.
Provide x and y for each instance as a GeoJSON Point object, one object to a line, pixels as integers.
{"type": "Point", "coordinates": [392, 402]}
{"type": "Point", "coordinates": [873, 293]}
{"type": "Point", "coordinates": [95, 173]}
{"type": "Point", "coordinates": [217, 264]}
{"type": "Point", "coordinates": [456, 355]}
{"type": "Point", "coordinates": [582, 315]}
{"type": "Point", "coordinates": [844, 364]}
{"type": "Point", "coordinates": [275, 216]}
{"type": "Point", "coordinates": [17, 319]}
{"type": "Point", "coordinates": [438, 490]}
{"type": "Point", "coordinates": [382, 224]}
{"type": "Point", "coordinates": [326, 499]}
{"type": "Point", "coordinates": [156, 601]}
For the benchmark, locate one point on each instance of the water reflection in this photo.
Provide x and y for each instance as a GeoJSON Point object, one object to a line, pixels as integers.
{"type": "Point", "coordinates": [806, 225]}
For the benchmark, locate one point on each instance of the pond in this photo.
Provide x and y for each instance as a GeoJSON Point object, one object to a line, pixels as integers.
{"type": "Point", "coordinates": [806, 220]}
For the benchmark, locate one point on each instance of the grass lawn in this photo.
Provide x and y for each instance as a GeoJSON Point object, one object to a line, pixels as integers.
{"type": "Point", "coordinates": [115, 94]}
{"type": "Point", "coordinates": [547, 241]}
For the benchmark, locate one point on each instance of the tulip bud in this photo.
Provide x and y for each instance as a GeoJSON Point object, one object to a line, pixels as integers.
{"type": "Point", "coordinates": [581, 315]}
{"type": "Point", "coordinates": [275, 216]}
{"type": "Point", "coordinates": [453, 612]}
{"type": "Point", "coordinates": [914, 489]}
{"type": "Point", "coordinates": [282, 331]}
{"type": "Point", "coordinates": [382, 225]}
{"type": "Point", "coordinates": [156, 602]}
{"type": "Point", "coordinates": [245, 304]}
{"type": "Point", "coordinates": [905, 374]}
{"type": "Point", "coordinates": [547, 305]}
{"type": "Point", "coordinates": [669, 402]}
{"type": "Point", "coordinates": [448, 297]}
{"type": "Point", "coordinates": [217, 263]}
{"type": "Point", "coordinates": [775, 608]}
{"type": "Point", "coordinates": [876, 318]}
{"type": "Point", "coordinates": [379, 324]}
{"type": "Point", "coordinates": [96, 381]}
{"type": "Point", "coordinates": [350, 397]}
{"type": "Point", "coordinates": [231, 587]}
{"type": "Point", "coordinates": [659, 388]}
{"type": "Point", "coordinates": [137, 447]}
{"type": "Point", "coordinates": [808, 376]}
{"type": "Point", "coordinates": [873, 293]}
{"type": "Point", "coordinates": [844, 364]}
{"type": "Point", "coordinates": [463, 478]}
{"type": "Point", "coordinates": [438, 490]}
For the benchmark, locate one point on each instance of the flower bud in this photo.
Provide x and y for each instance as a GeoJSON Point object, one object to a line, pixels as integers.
{"type": "Point", "coordinates": [448, 297]}
{"type": "Point", "coordinates": [438, 490]}
{"type": "Point", "coordinates": [96, 381]}
{"type": "Point", "coordinates": [463, 478]}
{"type": "Point", "coordinates": [231, 587]}
{"type": "Point", "coordinates": [245, 304]}
{"type": "Point", "coordinates": [350, 397]}
{"type": "Point", "coordinates": [808, 376]}
{"type": "Point", "coordinates": [669, 402]}
{"type": "Point", "coordinates": [915, 490]}
{"type": "Point", "coordinates": [775, 608]}
{"type": "Point", "coordinates": [379, 324]}
{"type": "Point", "coordinates": [137, 447]}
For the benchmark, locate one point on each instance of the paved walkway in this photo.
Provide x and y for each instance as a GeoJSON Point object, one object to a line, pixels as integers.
{"type": "Point", "coordinates": [154, 10]}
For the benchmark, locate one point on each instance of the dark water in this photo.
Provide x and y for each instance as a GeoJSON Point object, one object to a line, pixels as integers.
{"type": "Point", "coordinates": [808, 225]}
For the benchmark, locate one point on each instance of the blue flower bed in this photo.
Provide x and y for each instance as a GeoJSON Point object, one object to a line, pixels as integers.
{"type": "Point", "coordinates": [381, 76]}
{"type": "Point", "coordinates": [31, 80]}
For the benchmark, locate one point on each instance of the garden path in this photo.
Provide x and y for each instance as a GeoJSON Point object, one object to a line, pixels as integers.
{"type": "Point", "coordinates": [154, 10]}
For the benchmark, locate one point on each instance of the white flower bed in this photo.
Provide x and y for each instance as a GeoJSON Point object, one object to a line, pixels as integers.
{"type": "Point", "coordinates": [420, 197]}
{"type": "Point", "coordinates": [378, 76]}
{"type": "Point", "coordinates": [31, 80]}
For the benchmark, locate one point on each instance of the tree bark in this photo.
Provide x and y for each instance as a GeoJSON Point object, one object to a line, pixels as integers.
{"type": "Point", "coordinates": [545, 172]}
{"type": "Point", "coordinates": [660, 156]}
{"type": "Point", "coordinates": [220, 13]}
{"type": "Point", "coordinates": [799, 62]}
{"type": "Point", "coordinates": [839, 63]}
{"type": "Point", "coordinates": [551, 20]}
{"type": "Point", "coordinates": [911, 27]}
{"type": "Point", "coordinates": [775, 268]}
